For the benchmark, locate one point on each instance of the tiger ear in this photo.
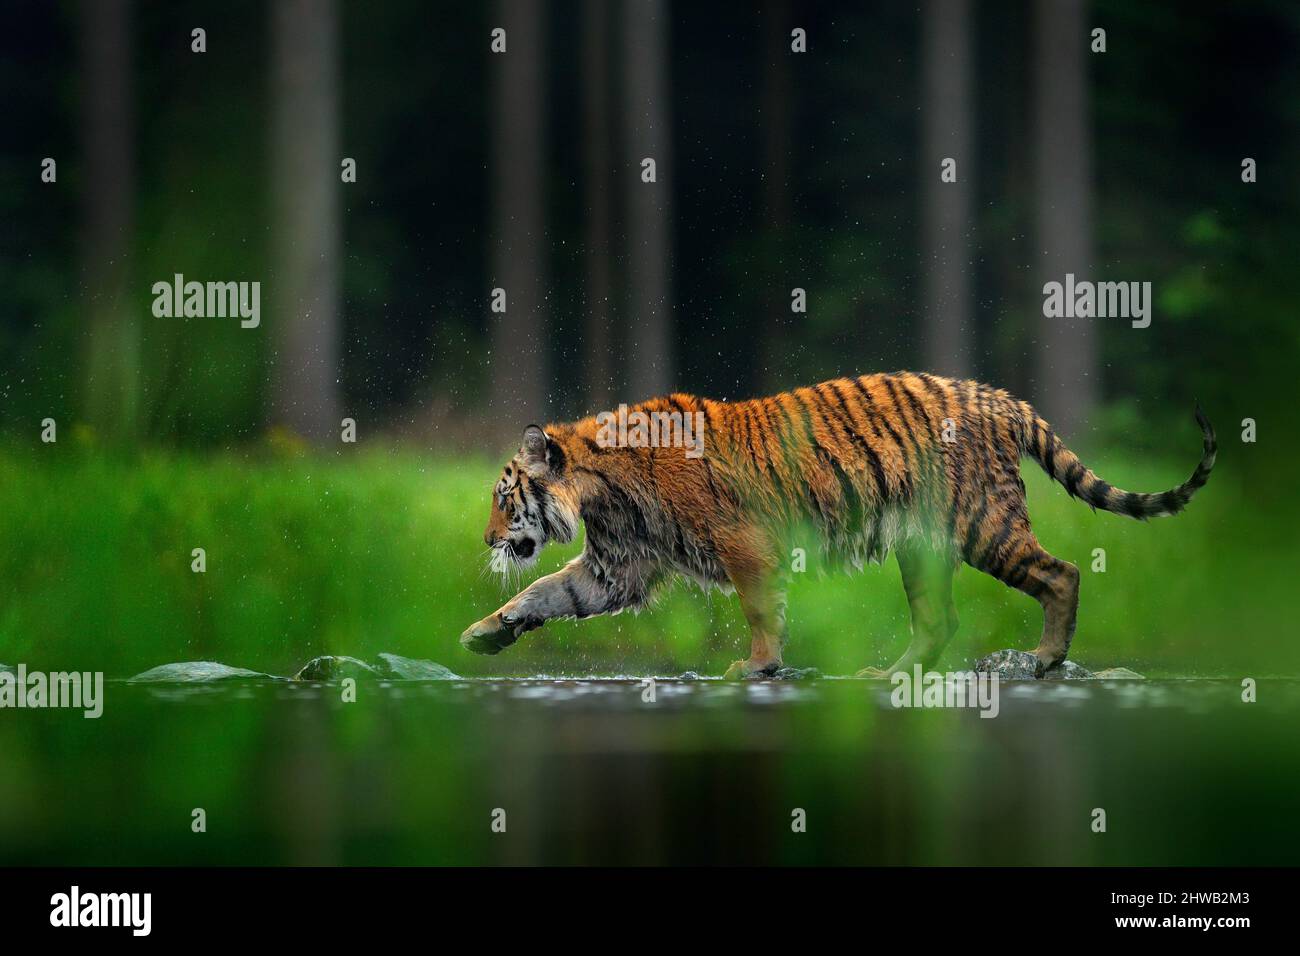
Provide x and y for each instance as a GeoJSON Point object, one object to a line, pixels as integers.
{"type": "Point", "coordinates": [533, 451]}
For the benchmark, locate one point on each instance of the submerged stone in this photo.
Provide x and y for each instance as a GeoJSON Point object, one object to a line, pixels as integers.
{"type": "Point", "coordinates": [1117, 673]}
{"type": "Point", "coordinates": [404, 668]}
{"type": "Point", "coordinates": [1012, 664]}
{"type": "Point", "coordinates": [193, 672]}
{"type": "Point", "coordinates": [336, 668]}
{"type": "Point", "coordinates": [388, 667]}
{"type": "Point", "coordinates": [1068, 670]}
{"type": "Point", "coordinates": [1008, 665]}
{"type": "Point", "coordinates": [796, 673]}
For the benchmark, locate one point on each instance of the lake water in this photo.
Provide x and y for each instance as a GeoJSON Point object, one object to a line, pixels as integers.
{"type": "Point", "coordinates": [588, 771]}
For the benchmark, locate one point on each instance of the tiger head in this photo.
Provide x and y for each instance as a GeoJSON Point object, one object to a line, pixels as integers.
{"type": "Point", "coordinates": [531, 504]}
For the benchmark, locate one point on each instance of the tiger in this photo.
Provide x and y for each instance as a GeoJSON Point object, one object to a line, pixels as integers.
{"type": "Point", "coordinates": [918, 465]}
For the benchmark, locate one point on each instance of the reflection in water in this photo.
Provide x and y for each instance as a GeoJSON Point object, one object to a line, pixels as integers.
{"type": "Point", "coordinates": [590, 772]}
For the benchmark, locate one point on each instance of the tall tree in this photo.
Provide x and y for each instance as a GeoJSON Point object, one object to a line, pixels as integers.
{"type": "Point", "coordinates": [599, 330]}
{"type": "Point", "coordinates": [519, 368]}
{"type": "Point", "coordinates": [946, 134]}
{"type": "Point", "coordinates": [304, 286]}
{"type": "Point", "coordinates": [649, 206]}
{"type": "Point", "coordinates": [776, 192]}
{"type": "Point", "coordinates": [108, 122]}
{"type": "Point", "coordinates": [1066, 366]}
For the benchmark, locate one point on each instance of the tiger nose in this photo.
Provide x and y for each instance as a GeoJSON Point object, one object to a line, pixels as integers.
{"type": "Point", "coordinates": [489, 537]}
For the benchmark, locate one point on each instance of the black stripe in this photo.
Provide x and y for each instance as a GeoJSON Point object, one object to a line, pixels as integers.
{"type": "Point", "coordinates": [543, 499]}
{"type": "Point", "coordinates": [556, 457]}
{"type": "Point", "coordinates": [852, 498]}
{"type": "Point", "coordinates": [910, 464]}
{"type": "Point", "coordinates": [1020, 570]}
{"type": "Point", "coordinates": [788, 442]}
{"type": "Point", "coordinates": [918, 408]}
{"type": "Point", "coordinates": [877, 469]}
{"type": "Point", "coordinates": [1035, 587]}
{"type": "Point", "coordinates": [952, 460]}
{"type": "Point", "coordinates": [973, 530]}
{"type": "Point", "coordinates": [818, 450]}
{"type": "Point", "coordinates": [764, 428]}
{"type": "Point", "coordinates": [1099, 494]}
{"type": "Point", "coordinates": [1004, 533]}
{"type": "Point", "coordinates": [743, 414]}
{"type": "Point", "coordinates": [1073, 475]}
{"type": "Point", "coordinates": [579, 610]}
{"type": "Point", "coordinates": [873, 415]}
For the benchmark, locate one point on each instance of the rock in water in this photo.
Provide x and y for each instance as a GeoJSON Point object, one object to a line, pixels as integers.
{"type": "Point", "coordinates": [1117, 673]}
{"type": "Point", "coordinates": [1008, 665]}
{"type": "Point", "coordinates": [389, 667]}
{"type": "Point", "coordinates": [796, 673]}
{"type": "Point", "coordinates": [196, 672]}
{"type": "Point", "coordinates": [336, 668]}
{"type": "Point", "coordinates": [403, 668]}
{"type": "Point", "coordinates": [1012, 664]}
{"type": "Point", "coordinates": [1068, 670]}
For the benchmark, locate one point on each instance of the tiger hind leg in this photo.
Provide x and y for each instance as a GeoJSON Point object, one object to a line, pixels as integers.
{"type": "Point", "coordinates": [1015, 558]}
{"type": "Point", "coordinates": [927, 579]}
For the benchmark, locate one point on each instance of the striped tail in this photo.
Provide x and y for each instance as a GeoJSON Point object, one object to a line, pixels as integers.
{"type": "Point", "coordinates": [1039, 442]}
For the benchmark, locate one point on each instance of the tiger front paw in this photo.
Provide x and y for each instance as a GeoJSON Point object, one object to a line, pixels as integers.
{"type": "Point", "coordinates": [491, 635]}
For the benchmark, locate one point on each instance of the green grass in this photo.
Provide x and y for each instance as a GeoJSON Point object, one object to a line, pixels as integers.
{"type": "Point", "coordinates": [381, 550]}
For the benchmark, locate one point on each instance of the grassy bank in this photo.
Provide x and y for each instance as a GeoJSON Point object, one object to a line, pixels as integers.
{"type": "Point", "coordinates": [381, 550]}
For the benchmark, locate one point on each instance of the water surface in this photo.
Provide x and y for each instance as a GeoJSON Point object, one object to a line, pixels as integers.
{"type": "Point", "coordinates": [589, 771]}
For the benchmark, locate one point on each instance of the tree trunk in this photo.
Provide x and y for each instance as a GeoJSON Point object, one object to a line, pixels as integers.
{"type": "Point", "coordinates": [305, 179]}
{"type": "Point", "coordinates": [518, 366]}
{"type": "Point", "coordinates": [774, 348]}
{"type": "Point", "coordinates": [599, 331]}
{"type": "Point", "coordinates": [649, 207]}
{"type": "Point", "coordinates": [1066, 366]}
{"type": "Point", "coordinates": [946, 117]}
{"type": "Point", "coordinates": [113, 345]}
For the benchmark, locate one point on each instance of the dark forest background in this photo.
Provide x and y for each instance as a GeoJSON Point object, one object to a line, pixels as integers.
{"type": "Point", "coordinates": [775, 170]}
